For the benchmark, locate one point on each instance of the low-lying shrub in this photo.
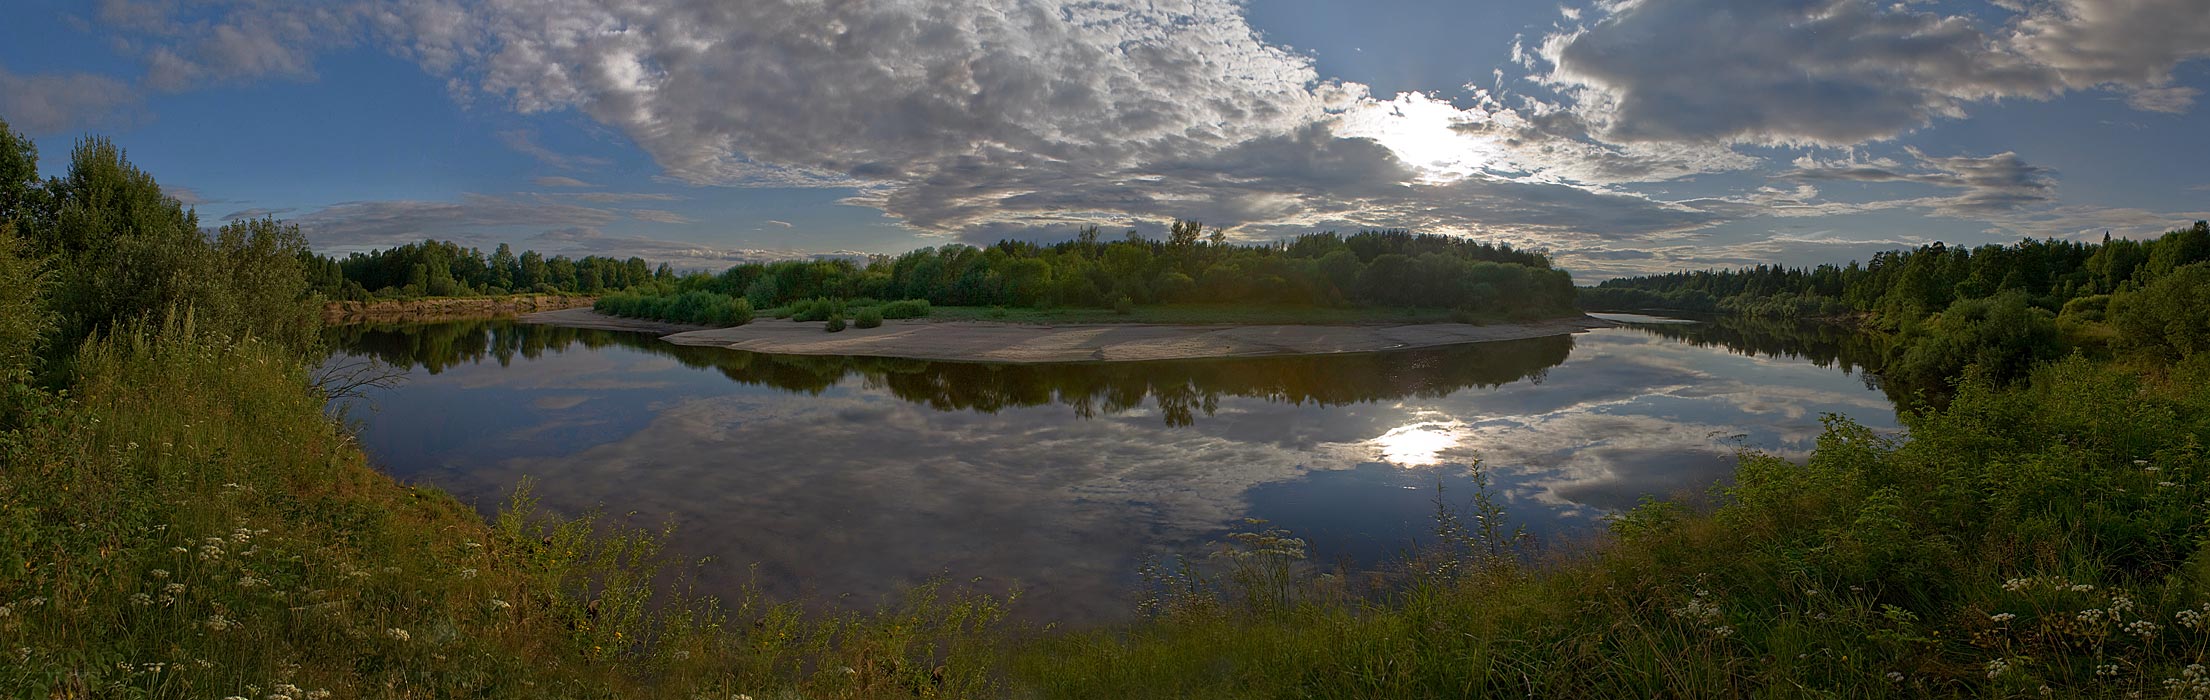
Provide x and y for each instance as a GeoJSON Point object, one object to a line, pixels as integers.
{"type": "Point", "coordinates": [704, 308]}
{"type": "Point", "coordinates": [908, 308]}
{"type": "Point", "coordinates": [868, 318]}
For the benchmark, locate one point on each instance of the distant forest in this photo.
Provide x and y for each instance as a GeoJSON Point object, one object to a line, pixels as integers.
{"type": "Point", "coordinates": [1372, 268]}
{"type": "Point", "coordinates": [2004, 308]}
{"type": "Point", "coordinates": [1902, 284]}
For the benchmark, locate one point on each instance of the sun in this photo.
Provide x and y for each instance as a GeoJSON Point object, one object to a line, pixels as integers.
{"type": "Point", "coordinates": [1422, 132]}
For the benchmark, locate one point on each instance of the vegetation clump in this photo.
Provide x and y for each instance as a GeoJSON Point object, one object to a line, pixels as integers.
{"type": "Point", "coordinates": [870, 317]}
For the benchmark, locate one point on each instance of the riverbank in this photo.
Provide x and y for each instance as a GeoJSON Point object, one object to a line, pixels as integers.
{"type": "Point", "coordinates": [446, 308]}
{"type": "Point", "coordinates": [984, 341]}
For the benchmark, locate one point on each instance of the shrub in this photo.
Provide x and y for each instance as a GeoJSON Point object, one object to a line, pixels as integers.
{"type": "Point", "coordinates": [997, 312]}
{"type": "Point", "coordinates": [909, 308]}
{"type": "Point", "coordinates": [1124, 305]}
{"type": "Point", "coordinates": [868, 318]}
{"type": "Point", "coordinates": [836, 323]}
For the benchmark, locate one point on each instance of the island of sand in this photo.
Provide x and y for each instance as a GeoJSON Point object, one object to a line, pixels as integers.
{"type": "Point", "coordinates": [979, 341]}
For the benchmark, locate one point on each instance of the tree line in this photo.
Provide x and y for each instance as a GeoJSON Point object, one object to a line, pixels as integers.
{"type": "Point", "coordinates": [2002, 308]}
{"type": "Point", "coordinates": [1372, 268]}
{"type": "Point", "coordinates": [442, 269]}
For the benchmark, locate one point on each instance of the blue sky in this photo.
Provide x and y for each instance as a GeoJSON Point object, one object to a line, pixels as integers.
{"type": "Point", "coordinates": [1624, 136]}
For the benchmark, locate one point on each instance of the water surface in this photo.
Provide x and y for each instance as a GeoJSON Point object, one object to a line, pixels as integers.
{"type": "Point", "coordinates": [849, 478]}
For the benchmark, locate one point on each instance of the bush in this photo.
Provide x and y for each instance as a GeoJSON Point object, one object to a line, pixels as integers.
{"type": "Point", "coordinates": [836, 323]}
{"type": "Point", "coordinates": [820, 309]}
{"type": "Point", "coordinates": [869, 318]}
{"type": "Point", "coordinates": [997, 312]}
{"type": "Point", "coordinates": [909, 308]}
{"type": "Point", "coordinates": [2169, 318]}
{"type": "Point", "coordinates": [1124, 305]}
{"type": "Point", "coordinates": [2004, 335]}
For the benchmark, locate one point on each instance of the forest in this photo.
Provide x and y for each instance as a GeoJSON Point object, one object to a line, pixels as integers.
{"type": "Point", "coordinates": [183, 519]}
{"type": "Point", "coordinates": [2001, 308]}
{"type": "Point", "coordinates": [445, 269]}
{"type": "Point", "coordinates": [1393, 269]}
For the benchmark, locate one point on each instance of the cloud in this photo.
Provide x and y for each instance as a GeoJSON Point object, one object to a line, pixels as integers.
{"type": "Point", "coordinates": [560, 182]}
{"type": "Point", "coordinates": [257, 213]}
{"type": "Point", "coordinates": [55, 103]}
{"type": "Point", "coordinates": [2173, 100]}
{"type": "Point", "coordinates": [1994, 184]}
{"type": "Point", "coordinates": [362, 225]}
{"type": "Point", "coordinates": [1842, 72]}
{"type": "Point", "coordinates": [189, 45]}
{"type": "Point", "coordinates": [784, 224]}
{"type": "Point", "coordinates": [658, 216]}
{"type": "Point", "coordinates": [525, 143]}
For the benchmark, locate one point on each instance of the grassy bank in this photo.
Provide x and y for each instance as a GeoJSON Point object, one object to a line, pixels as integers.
{"type": "Point", "coordinates": [188, 524]}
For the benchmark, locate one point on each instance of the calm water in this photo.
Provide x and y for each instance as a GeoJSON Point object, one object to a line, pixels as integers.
{"type": "Point", "coordinates": [854, 476]}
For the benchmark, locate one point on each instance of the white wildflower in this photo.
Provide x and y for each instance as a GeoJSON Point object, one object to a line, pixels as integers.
{"type": "Point", "coordinates": [141, 599]}
{"type": "Point", "coordinates": [2141, 628]}
{"type": "Point", "coordinates": [160, 573]}
{"type": "Point", "coordinates": [2002, 617]}
{"type": "Point", "coordinates": [398, 634]}
{"type": "Point", "coordinates": [497, 604]}
{"type": "Point", "coordinates": [467, 573]}
{"type": "Point", "coordinates": [1997, 667]}
{"type": "Point", "coordinates": [1895, 677]}
{"type": "Point", "coordinates": [219, 623]}
{"type": "Point", "coordinates": [2106, 670]}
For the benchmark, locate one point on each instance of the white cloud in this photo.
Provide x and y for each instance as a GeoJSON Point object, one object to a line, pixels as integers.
{"type": "Point", "coordinates": [47, 104]}
{"type": "Point", "coordinates": [2170, 100]}
{"type": "Point", "coordinates": [560, 182]}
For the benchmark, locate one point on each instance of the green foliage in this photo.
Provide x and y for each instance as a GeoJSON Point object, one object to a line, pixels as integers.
{"type": "Point", "coordinates": [870, 317]}
{"type": "Point", "coordinates": [702, 308]}
{"type": "Point", "coordinates": [23, 320]}
{"type": "Point", "coordinates": [1316, 271]}
{"type": "Point", "coordinates": [2169, 318]}
{"type": "Point", "coordinates": [835, 323]}
{"type": "Point", "coordinates": [443, 268]}
{"type": "Point", "coordinates": [906, 308]}
{"type": "Point", "coordinates": [2004, 336]}
{"type": "Point", "coordinates": [1123, 305]}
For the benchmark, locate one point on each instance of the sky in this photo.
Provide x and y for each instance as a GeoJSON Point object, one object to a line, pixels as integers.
{"type": "Point", "coordinates": [1623, 136]}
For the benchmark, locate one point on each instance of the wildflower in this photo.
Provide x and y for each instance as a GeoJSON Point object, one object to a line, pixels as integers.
{"type": "Point", "coordinates": [141, 599]}
{"type": "Point", "coordinates": [2151, 470]}
{"type": "Point", "coordinates": [317, 694]}
{"type": "Point", "coordinates": [219, 623]}
{"type": "Point", "coordinates": [2082, 587]}
{"type": "Point", "coordinates": [467, 573]}
{"type": "Point", "coordinates": [2166, 484]}
{"type": "Point", "coordinates": [248, 581]}
{"type": "Point", "coordinates": [160, 573]}
{"type": "Point", "coordinates": [497, 604]}
{"type": "Point", "coordinates": [2106, 670]}
{"type": "Point", "coordinates": [2091, 615]}
{"type": "Point", "coordinates": [2121, 603]}
{"type": "Point", "coordinates": [180, 550]}
{"type": "Point", "coordinates": [475, 545]}
{"type": "Point", "coordinates": [286, 688]}
{"type": "Point", "coordinates": [1996, 668]}
{"type": "Point", "coordinates": [2017, 584]}
{"type": "Point", "coordinates": [33, 601]}
{"type": "Point", "coordinates": [173, 589]}
{"type": "Point", "coordinates": [398, 634]}
{"type": "Point", "coordinates": [2141, 628]}
{"type": "Point", "coordinates": [2189, 619]}
{"type": "Point", "coordinates": [2002, 617]}
{"type": "Point", "coordinates": [5, 611]}
{"type": "Point", "coordinates": [1895, 677]}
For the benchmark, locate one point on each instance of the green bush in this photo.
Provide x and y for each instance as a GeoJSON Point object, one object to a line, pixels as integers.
{"type": "Point", "coordinates": [835, 324]}
{"type": "Point", "coordinates": [1123, 305]}
{"type": "Point", "coordinates": [2169, 318]}
{"type": "Point", "coordinates": [909, 308]}
{"type": "Point", "coordinates": [868, 318]}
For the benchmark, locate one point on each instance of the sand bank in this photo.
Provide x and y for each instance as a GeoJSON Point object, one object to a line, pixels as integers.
{"type": "Point", "coordinates": [979, 341]}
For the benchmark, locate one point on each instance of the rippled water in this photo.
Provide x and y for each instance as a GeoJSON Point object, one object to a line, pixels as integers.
{"type": "Point", "coordinates": [857, 476]}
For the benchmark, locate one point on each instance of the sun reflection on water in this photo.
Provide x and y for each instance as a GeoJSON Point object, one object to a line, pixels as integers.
{"type": "Point", "coordinates": [1422, 443]}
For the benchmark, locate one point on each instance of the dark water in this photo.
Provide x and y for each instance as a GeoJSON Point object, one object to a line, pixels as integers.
{"type": "Point", "coordinates": [856, 476]}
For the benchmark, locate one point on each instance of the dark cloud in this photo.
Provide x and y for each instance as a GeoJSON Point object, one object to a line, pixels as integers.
{"type": "Point", "coordinates": [1990, 184]}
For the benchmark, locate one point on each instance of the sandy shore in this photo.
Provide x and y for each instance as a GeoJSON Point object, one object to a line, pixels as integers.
{"type": "Point", "coordinates": [1105, 342]}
